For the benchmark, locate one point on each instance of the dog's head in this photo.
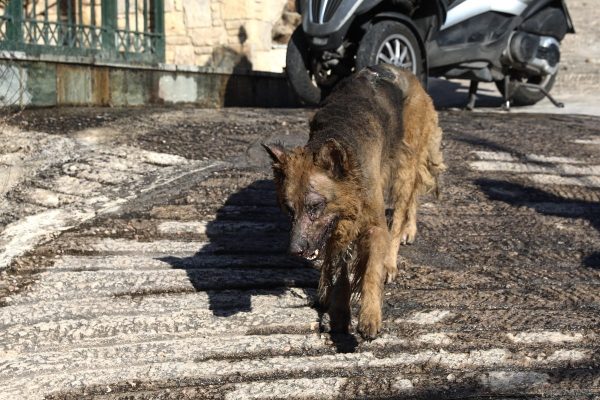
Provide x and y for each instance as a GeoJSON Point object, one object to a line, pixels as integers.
{"type": "Point", "coordinates": [310, 188]}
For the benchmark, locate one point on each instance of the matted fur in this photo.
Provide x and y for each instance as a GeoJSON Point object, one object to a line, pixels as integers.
{"type": "Point", "coordinates": [376, 140]}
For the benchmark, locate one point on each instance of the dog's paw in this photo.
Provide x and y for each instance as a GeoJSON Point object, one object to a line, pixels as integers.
{"type": "Point", "coordinates": [408, 234]}
{"type": "Point", "coordinates": [369, 324]}
{"type": "Point", "coordinates": [391, 273]}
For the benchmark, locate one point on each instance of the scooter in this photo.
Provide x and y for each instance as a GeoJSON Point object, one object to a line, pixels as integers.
{"type": "Point", "coordinates": [514, 43]}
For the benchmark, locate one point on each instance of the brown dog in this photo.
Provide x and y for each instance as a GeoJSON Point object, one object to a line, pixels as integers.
{"type": "Point", "coordinates": [375, 139]}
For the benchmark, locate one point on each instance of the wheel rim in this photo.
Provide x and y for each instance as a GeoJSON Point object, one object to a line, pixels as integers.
{"type": "Point", "coordinates": [397, 50]}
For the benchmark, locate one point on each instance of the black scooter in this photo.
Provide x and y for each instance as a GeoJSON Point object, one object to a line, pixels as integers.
{"type": "Point", "coordinates": [515, 43]}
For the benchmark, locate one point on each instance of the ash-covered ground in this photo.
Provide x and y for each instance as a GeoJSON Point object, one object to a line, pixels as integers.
{"type": "Point", "coordinates": [144, 257]}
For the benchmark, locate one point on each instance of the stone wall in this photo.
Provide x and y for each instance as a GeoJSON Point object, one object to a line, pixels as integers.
{"type": "Point", "coordinates": [228, 35]}
{"type": "Point", "coordinates": [25, 82]}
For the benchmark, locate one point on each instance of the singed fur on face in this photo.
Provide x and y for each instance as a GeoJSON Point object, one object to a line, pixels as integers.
{"type": "Point", "coordinates": [375, 140]}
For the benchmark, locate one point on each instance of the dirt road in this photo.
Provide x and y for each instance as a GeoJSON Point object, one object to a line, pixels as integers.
{"type": "Point", "coordinates": [144, 258]}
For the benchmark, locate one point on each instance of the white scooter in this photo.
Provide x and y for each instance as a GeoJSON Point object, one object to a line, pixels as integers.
{"type": "Point", "coordinates": [515, 43]}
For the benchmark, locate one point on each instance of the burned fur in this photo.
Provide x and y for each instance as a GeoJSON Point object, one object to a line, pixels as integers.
{"type": "Point", "coordinates": [376, 140]}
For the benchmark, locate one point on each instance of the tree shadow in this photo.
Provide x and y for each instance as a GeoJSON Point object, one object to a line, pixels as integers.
{"type": "Point", "coordinates": [545, 203]}
{"type": "Point", "coordinates": [246, 254]}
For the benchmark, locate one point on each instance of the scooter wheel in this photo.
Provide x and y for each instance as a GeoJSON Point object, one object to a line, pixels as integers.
{"type": "Point", "coordinates": [297, 68]}
{"type": "Point", "coordinates": [391, 42]}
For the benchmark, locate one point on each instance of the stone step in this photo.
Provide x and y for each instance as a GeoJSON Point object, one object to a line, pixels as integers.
{"type": "Point", "coordinates": [486, 317]}
{"type": "Point", "coordinates": [173, 350]}
{"type": "Point", "coordinates": [276, 244]}
{"type": "Point", "coordinates": [584, 181]}
{"type": "Point", "coordinates": [110, 162]}
{"type": "Point", "coordinates": [221, 303]}
{"type": "Point", "coordinates": [515, 297]}
{"type": "Point", "coordinates": [202, 261]}
{"type": "Point", "coordinates": [109, 329]}
{"type": "Point", "coordinates": [234, 348]}
{"type": "Point", "coordinates": [145, 156]}
{"type": "Point", "coordinates": [255, 197]}
{"type": "Point", "coordinates": [22, 235]}
{"type": "Point", "coordinates": [307, 388]}
{"type": "Point", "coordinates": [72, 186]}
{"type": "Point", "coordinates": [100, 175]}
{"type": "Point", "coordinates": [413, 276]}
{"type": "Point", "coordinates": [82, 284]}
{"type": "Point", "coordinates": [48, 198]}
{"type": "Point", "coordinates": [498, 370]}
{"type": "Point", "coordinates": [380, 383]}
{"type": "Point", "coordinates": [217, 228]}
{"type": "Point", "coordinates": [537, 168]}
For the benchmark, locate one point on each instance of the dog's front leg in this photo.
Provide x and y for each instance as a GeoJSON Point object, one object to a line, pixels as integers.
{"type": "Point", "coordinates": [339, 303]}
{"type": "Point", "coordinates": [377, 242]}
{"type": "Point", "coordinates": [334, 297]}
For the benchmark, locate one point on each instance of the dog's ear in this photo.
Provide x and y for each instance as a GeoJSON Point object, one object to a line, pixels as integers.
{"type": "Point", "coordinates": [277, 153]}
{"type": "Point", "coordinates": [333, 158]}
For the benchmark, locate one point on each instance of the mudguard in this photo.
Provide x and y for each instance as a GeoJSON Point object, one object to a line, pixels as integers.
{"type": "Point", "coordinates": [539, 5]}
{"type": "Point", "coordinates": [329, 34]}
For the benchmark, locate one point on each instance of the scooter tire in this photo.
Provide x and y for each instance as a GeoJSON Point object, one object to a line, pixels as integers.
{"type": "Point", "coordinates": [377, 34]}
{"type": "Point", "coordinates": [298, 71]}
{"type": "Point", "coordinates": [523, 96]}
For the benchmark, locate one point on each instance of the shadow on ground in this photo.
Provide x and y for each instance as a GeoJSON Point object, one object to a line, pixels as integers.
{"type": "Point", "coordinates": [545, 203]}
{"type": "Point", "coordinates": [451, 94]}
{"type": "Point", "coordinates": [246, 261]}
{"type": "Point", "coordinates": [550, 383]}
{"type": "Point", "coordinates": [253, 261]}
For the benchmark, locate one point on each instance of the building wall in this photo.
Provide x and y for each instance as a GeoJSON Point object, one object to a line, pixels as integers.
{"type": "Point", "coordinates": [225, 34]}
{"type": "Point", "coordinates": [41, 83]}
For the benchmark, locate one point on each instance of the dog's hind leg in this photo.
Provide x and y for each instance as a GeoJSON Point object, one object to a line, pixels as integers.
{"type": "Point", "coordinates": [404, 220]}
{"type": "Point", "coordinates": [435, 161]}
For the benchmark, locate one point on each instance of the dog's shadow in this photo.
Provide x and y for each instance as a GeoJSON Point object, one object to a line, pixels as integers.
{"type": "Point", "coordinates": [246, 255]}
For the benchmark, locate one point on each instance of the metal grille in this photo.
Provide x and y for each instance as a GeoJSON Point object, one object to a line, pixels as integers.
{"type": "Point", "coordinates": [127, 30]}
{"type": "Point", "coordinates": [2, 27]}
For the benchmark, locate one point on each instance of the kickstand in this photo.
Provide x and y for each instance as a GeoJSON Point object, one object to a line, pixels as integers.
{"type": "Point", "coordinates": [506, 95]}
{"type": "Point", "coordinates": [557, 104]}
{"type": "Point", "coordinates": [472, 95]}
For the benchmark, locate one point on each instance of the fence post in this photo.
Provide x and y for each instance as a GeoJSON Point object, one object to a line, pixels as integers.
{"type": "Point", "coordinates": [14, 24]}
{"type": "Point", "coordinates": [109, 25]}
{"type": "Point", "coordinates": [159, 28]}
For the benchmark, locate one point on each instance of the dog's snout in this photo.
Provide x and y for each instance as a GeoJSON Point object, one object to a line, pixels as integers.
{"type": "Point", "coordinates": [298, 247]}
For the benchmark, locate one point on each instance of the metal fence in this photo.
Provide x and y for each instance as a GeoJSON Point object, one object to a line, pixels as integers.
{"type": "Point", "coordinates": [110, 30]}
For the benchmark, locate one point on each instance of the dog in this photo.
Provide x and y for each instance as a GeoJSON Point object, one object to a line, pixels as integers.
{"type": "Point", "coordinates": [375, 139]}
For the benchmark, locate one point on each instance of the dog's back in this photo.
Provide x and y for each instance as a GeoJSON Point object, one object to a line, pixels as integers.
{"type": "Point", "coordinates": [384, 117]}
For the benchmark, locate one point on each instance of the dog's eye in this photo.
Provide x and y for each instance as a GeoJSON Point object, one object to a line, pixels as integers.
{"type": "Point", "coordinates": [315, 209]}
{"type": "Point", "coordinates": [289, 210]}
